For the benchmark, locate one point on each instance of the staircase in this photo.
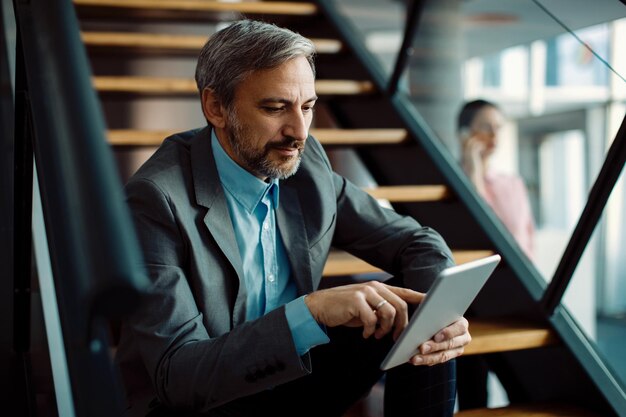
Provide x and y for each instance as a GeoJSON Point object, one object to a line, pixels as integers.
{"type": "Point", "coordinates": [357, 116]}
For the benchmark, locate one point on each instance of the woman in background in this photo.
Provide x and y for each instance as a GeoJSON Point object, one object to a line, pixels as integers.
{"type": "Point", "coordinates": [479, 124]}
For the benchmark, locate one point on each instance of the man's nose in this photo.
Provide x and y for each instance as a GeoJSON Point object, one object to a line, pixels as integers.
{"type": "Point", "coordinates": [297, 126]}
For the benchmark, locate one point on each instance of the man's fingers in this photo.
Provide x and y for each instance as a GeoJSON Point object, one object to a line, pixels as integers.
{"type": "Point", "coordinates": [400, 318]}
{"type": "Point", "coordinates": [449, 343]}
{"type": "Point", "coordinates": [393, 314]}
{"type": "Point", "coordinates": [369, 320]}
{"type": "Point", "coordinates": [386, 317]}
{"type": "Point", "coordinates": [381, 305]}
{"type": "Point", "coordinates": [454, 336]}
{"type": "Point", "coordinates": [410, 296]}
{"type": "Point", "coordinates": [378, 307]}
{"type": "Point", "coordinates": [459, 327]}
{"type": "Point", "coordinates": [437, 357]}
{"type": "Point", "coordinates": [431, 347]}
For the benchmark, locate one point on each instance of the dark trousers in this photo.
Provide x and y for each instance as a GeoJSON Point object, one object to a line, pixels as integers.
{"type": "Point", "coordinates": [343, 372]}
{"type": "Point", "coordinates": [472, 382]}
{"type": "Point", "coordinates": [472, 372]}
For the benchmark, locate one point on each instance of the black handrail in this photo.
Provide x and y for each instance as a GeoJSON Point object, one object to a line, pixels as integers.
{"type": "Point", "coordinates": [94, 253]}
{"type": "Point", "coordinates": [502, 240]}
{"type": "Point", "coordinates": [438, 153]}
{"type": "Point", "coordinates": [412, 22]}
{"type": "Point", "coordinates": [14, 340]}
{"type": "Point", "coordinates": [598, 197]}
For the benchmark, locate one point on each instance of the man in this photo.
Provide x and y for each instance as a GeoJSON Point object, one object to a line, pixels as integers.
{"type": "Point", "coordinates": [236, 221]}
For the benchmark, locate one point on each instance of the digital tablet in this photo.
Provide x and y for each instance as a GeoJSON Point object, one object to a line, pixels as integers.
{"type": "Point", "coordinates": [447, 300]}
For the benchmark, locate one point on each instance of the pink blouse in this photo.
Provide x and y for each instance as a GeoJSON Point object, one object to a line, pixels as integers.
{"type": "Point", "coordinates": [507, 196]}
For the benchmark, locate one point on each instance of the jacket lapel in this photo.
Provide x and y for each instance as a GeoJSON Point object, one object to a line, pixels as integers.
{"type": "Point", "coordinates": [210, 194]}
{"type": "Point", "coordinates": [293, 231]}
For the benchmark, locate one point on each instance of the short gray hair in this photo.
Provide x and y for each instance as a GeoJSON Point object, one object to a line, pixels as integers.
{"type": "Point", "coordinates": [232, 53]}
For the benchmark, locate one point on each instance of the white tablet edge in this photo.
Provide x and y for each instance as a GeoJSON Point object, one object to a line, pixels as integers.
{"type": "Point", "coordinates": [443, 313]}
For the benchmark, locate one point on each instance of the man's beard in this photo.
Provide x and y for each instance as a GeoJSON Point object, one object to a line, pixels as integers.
{"type": "Point", "coordinates": [258, 161]}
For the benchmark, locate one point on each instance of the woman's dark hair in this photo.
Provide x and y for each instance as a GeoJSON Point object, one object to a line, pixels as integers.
{"type": "Point", "coordinates": [469, 110]}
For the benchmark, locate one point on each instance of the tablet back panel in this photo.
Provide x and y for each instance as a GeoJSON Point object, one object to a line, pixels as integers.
{"type": "Point", "coordinates": [451, 294]}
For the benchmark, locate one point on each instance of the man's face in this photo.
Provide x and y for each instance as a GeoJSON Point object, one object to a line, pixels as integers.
{"type": "Point", "coordinates": [268, 123]}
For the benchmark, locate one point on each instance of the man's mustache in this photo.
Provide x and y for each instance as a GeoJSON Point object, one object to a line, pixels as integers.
{"type": "Point", "coordinates": [288, 143]}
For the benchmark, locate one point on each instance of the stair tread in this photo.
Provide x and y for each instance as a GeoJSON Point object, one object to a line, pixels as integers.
{"type": "Point", "coordinates": [360, 136]}
{"type": "Point", "coordinates": [163, 41]}
{"type": "Point", "coordinates": [133, 137]}
{"type": "Point", "coordinates": [342, 263]}
{"type": "Point", "coordinates": [409, 193]}
{"type": "Point", "coordinates": [507, 334]}
{"type": "Point", "coordinates": [170, 85]}
{"type": "Point", "coordinates": [265, 7]}
{"type": "Point", "coordinates": [533, 410]}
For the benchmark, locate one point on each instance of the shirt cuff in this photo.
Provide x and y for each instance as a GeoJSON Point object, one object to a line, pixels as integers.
{"type": "Point", "coordinates": [306, 332]}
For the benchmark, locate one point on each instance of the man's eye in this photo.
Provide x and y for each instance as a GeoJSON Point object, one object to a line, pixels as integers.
{"type": "Point", "coordinates": [270, 109]}
{"type": "Point", "coordinates": [307, 109]}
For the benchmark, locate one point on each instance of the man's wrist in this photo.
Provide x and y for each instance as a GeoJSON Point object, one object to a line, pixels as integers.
{"type": "Point", "coordinates": [305, 331]}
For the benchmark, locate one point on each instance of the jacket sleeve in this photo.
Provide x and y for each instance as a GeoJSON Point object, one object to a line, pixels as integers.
{"type": "Point", "coordinates": [189, 368]}
{"type": "Point", "coordinates": [395, 243]}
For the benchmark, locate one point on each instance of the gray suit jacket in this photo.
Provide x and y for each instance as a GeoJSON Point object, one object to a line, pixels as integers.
{"type": "Point", "coordinates": [189, 345]}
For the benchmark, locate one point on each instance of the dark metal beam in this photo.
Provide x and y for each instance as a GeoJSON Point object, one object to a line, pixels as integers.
{"type": "Point", "coordinates": [413, 18]}
{"type": "Point", "coordinates": [93, 251]}
{"type": "Point", "coordinates": [598, 197]}
{"type": "Point", "coordinates": [14, 237]}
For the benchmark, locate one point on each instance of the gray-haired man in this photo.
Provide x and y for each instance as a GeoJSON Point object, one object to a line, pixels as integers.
{"type": "Point", "coordinates": [236, 221]}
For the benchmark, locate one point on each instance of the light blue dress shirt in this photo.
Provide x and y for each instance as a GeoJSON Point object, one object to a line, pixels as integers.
{"type": "Point", "coordinates": [252, 205]}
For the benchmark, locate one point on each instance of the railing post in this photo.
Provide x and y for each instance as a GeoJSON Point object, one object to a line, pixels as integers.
{"type": "Point", "coordinates": [14, 236]}
{"type": "Point", "coordinates": [413, 19]}
{"type": "Point", "coordinates": [91, 250]}
{"type": "Point", "coordinates": [598, 197]}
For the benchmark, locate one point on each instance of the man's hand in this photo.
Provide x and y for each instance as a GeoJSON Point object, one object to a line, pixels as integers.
{"type": "Point", "coordinates": [379, 308]}
{"type": "Point", "coordinates": [449, 343]}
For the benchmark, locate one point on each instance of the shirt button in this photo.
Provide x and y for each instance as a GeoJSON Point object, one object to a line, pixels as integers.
{"type": "Point", "coordinates": [270, 277]}
{"type": "Point", "coordinates": [266, 226]}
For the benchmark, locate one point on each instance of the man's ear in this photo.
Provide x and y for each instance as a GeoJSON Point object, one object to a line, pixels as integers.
{"type": "Point", "coordinates": [212, 109]}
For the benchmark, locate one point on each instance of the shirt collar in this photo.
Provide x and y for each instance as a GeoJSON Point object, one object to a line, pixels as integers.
{"type": "Point", "coordinates": [247, 189]}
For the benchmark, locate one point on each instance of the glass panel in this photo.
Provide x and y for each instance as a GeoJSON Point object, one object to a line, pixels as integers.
{"type": "Point", "coordinates": [560, 98]}
{"type": "Point", "coordinates": [595, 296]}
{"type": "Point", "coordinates": [380, 23]}
{"type": "Point", "coordinates": [536, 155]}
{"type": "Point", "coordinates": [570, 63]}
{"type": "Point", "coordinates": [561, 196]}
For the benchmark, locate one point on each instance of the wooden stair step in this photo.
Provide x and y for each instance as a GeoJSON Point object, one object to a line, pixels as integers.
{"type": "Point", "coordinates": [265, 7]}
{"type": "Point", "coordinates": [360, 136]}
{"type": "Point", "coordinates": [409, 193]}
{"type": "Point", "coordinates": [161, 85]}
{"type": "Point", "coordinates": [342, 263]}
{"type": "Point", "coordinates": [130, 137]}
{"type": "Point", "coordinates": [532, 410]}
{"type": "Point", "coordinates": [507, 334]}
{"type": "Point", "coordinates": [174, 42]}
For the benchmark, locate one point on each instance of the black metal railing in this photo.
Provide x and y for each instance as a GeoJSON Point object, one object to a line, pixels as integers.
{"type": "Point", "coordinates": [413, 17]}
{"type": "Point", "coordinates": [13, 383]}
{"type": "Point", "coordinates": [612, 167]}
{"type": "Point", "coordinates": [596, 201]}
{"type": "Point", "coordinates": [428, 140]}
{"type": "Point", "coordinates": [94, 255]}
{"type": "Point", "coordinates": [548, 296]}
